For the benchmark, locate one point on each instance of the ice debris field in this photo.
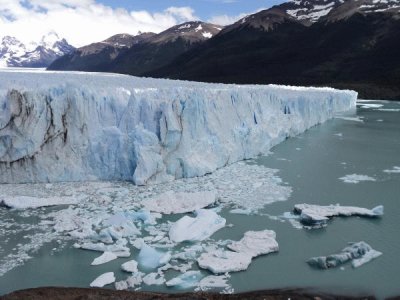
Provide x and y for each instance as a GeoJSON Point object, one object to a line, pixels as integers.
{"type": "Point", "coordinates": [62, 127]}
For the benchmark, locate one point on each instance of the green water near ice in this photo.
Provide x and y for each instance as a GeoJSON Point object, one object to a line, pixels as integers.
{"type": "Point", "coordinates": [312, 164]}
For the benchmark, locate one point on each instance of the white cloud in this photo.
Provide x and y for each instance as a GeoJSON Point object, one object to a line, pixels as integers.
{"type": "Point", "coordinates": [224, 20]}
{"type": "Point", "coordinates": [81, 21]}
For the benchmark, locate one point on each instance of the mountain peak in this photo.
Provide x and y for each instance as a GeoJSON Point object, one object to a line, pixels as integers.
{"type": "Point", "coordinates": [192, 32]}
{"type": "Point", "coordinates": [14, 53]}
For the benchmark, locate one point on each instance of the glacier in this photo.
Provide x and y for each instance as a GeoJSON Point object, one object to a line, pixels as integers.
{"type": "Point", "coordinates": [59, 126]}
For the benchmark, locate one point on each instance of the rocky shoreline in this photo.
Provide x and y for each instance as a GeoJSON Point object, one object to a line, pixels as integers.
{"type": "Point", "coordinates": [54, 293]}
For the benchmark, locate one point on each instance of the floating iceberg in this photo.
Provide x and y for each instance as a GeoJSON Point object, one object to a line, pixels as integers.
{"type": "Point", "coordinates": [204, 225]}
{"type": "Point", "coordinates": [220, 262]}
{"type": "Point", "coordinates": [104, 258]}
{"type": "Point", "coordinates": [360, 253]}
{"type": "Point", "coordinates": [130, 266]}
{"type": "Point", "coordinates": [177, 203]}
{"type": "Point", "coordinates": [395, 170]}
{"type": "Point", "coordinates": [253, 244]}
{"type": "Point", "coordinates": [102, 280]}
{"type": "Point", "coordinates": [23, 202]}
{"type": "Point", "coordinates": [256, 243]}
{"type": "Point", "coordinates": [150, 258]}
{"type": "Point", "coordinates": [315, 215]}
{"type": "Point", "coordinates": [356, 178]}
{"type": "Point", "coordinates": [71, 126]}
{"type": "Point", "coordinates": [187, 280]}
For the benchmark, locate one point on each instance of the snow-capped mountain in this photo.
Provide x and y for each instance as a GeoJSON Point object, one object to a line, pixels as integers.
{"type": "Point", "coordinates": [192, 32]}
{"type": "Point", "coordinates": [14, 53]}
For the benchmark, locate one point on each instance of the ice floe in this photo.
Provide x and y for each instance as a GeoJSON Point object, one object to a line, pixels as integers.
{"type": "Point", "coordinates": [316, 215]}
{"type": "Point", "coordinates": [253, 244]}
{"type": "Point", "coordinates": [354, 119]}
{"type": "Point", "coordinates": [104, 258]}
{"type": "Point", "coordinates": [130, 266]}
{"type": "Point", "coordinates": [104, 279]}
{"type": "Point", "coordinates": [214, 282]}
{"type": "Point", "coordinates": [221, 261]}
{"type": "Point", "coordinates": [356, 178]}
{"type": "Point", "coordinates": [394, 170]}
{"type": "Point", "coordinates": [204, 225]}
{"type": "Point", "coordinates": [24, 202]}
{"type": "Point", "coordinates": [256, 243]}
{"type": "Point", "coordinates": [359, 253]}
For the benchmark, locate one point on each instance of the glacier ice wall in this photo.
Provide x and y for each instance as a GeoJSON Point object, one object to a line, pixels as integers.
{"type": "Point", "coordinates": [58, 126]}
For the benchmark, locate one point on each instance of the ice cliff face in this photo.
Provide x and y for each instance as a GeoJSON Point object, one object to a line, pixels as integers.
{"type": "Point", "coordinates": [77, 126]}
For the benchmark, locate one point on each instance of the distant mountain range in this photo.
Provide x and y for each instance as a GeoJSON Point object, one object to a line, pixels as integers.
{"type": "Point", "coordinates": [137, 54]}
{"type": "Point", "coordinates": [14, 53]}
{"type": "Point", "coordinates": [340, 43]}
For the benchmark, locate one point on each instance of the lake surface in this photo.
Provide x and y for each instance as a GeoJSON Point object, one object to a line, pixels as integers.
{"type": "Point", "coordinates": [311, 165]}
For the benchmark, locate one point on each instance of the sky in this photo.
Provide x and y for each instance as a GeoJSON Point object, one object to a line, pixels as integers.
{"type": "Point", "coordinates": [82, 22]}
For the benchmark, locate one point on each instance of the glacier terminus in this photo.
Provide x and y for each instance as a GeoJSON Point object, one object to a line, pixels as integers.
{"type": "Point", "coordinates": [57, 126]}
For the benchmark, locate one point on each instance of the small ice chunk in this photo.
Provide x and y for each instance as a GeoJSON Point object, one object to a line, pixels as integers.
{"type": "Point", "coordinates": [135, 279]}
{"type": "Point", "coordinates": [204, 225]}
{"type": "Point", "coordinates": [187, 280]}
{"type": "Point", "coordinates": [151, 258]}
{"type": "Point", "coordinates": [356, 178]}
{"type": "Point", "coordinates": [104, 258]}
{"type": "Point", "coordinates": [130, 266]}
{"type": "Point", "coordinates": [360, 253]}
{"type": "Point", "coordinates": [395, 170]}
{"type": "Point", "coordinates": [154, 279]}
{"type": "Point", "coordinates": [221, 261]}
{"type": "Point", "coordinates": [145, 216]}
{"type": "Point", "coordinates": [102, 280]}
{"type": "Point", "coordinates": [121, 285]}
{"type": "Point", "coordinates": [176, 203]}
{"type": "Point", "coordinates": [255, 243]}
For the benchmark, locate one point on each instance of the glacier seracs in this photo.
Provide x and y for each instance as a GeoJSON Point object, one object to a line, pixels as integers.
{"type": "Point", "coordinates": [57, 126]}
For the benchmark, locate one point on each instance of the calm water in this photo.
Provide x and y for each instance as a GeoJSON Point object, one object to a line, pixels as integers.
{"type": "Point", "coordinates": [312, 165]}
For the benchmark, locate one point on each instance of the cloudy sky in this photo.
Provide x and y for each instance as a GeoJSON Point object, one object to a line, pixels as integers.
{"type": "Point", "coordinates": [85, 21]}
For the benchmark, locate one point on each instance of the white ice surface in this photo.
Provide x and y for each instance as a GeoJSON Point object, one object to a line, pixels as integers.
{"type": "Point", "coordinates": [24, 202]}
{"type": "Point", "coordinates": [175, 203]}
{"type": "Point", "coordinates": [102, 280]}
{"type": "Point", "coordinates": [394, 170]}
{"type": "Point", "coordinates": [356, 178]}
{"type": "Point", "coordinates": [204, 225]}
{"type": "Point", "coordinates": [71, 126]}
{"type": "Point", "coordinates": [256, 243]}
{"type": "Point", "coordinates": [104, 258]}
{"type": "Point", "coordinates": [369, 256]}
{"type": "Point", "coordinates": [220, 262]}
{"type": "Point", "coordinates": [130, 266]}
{"type": "Point", "coordinates": [318, 215]}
